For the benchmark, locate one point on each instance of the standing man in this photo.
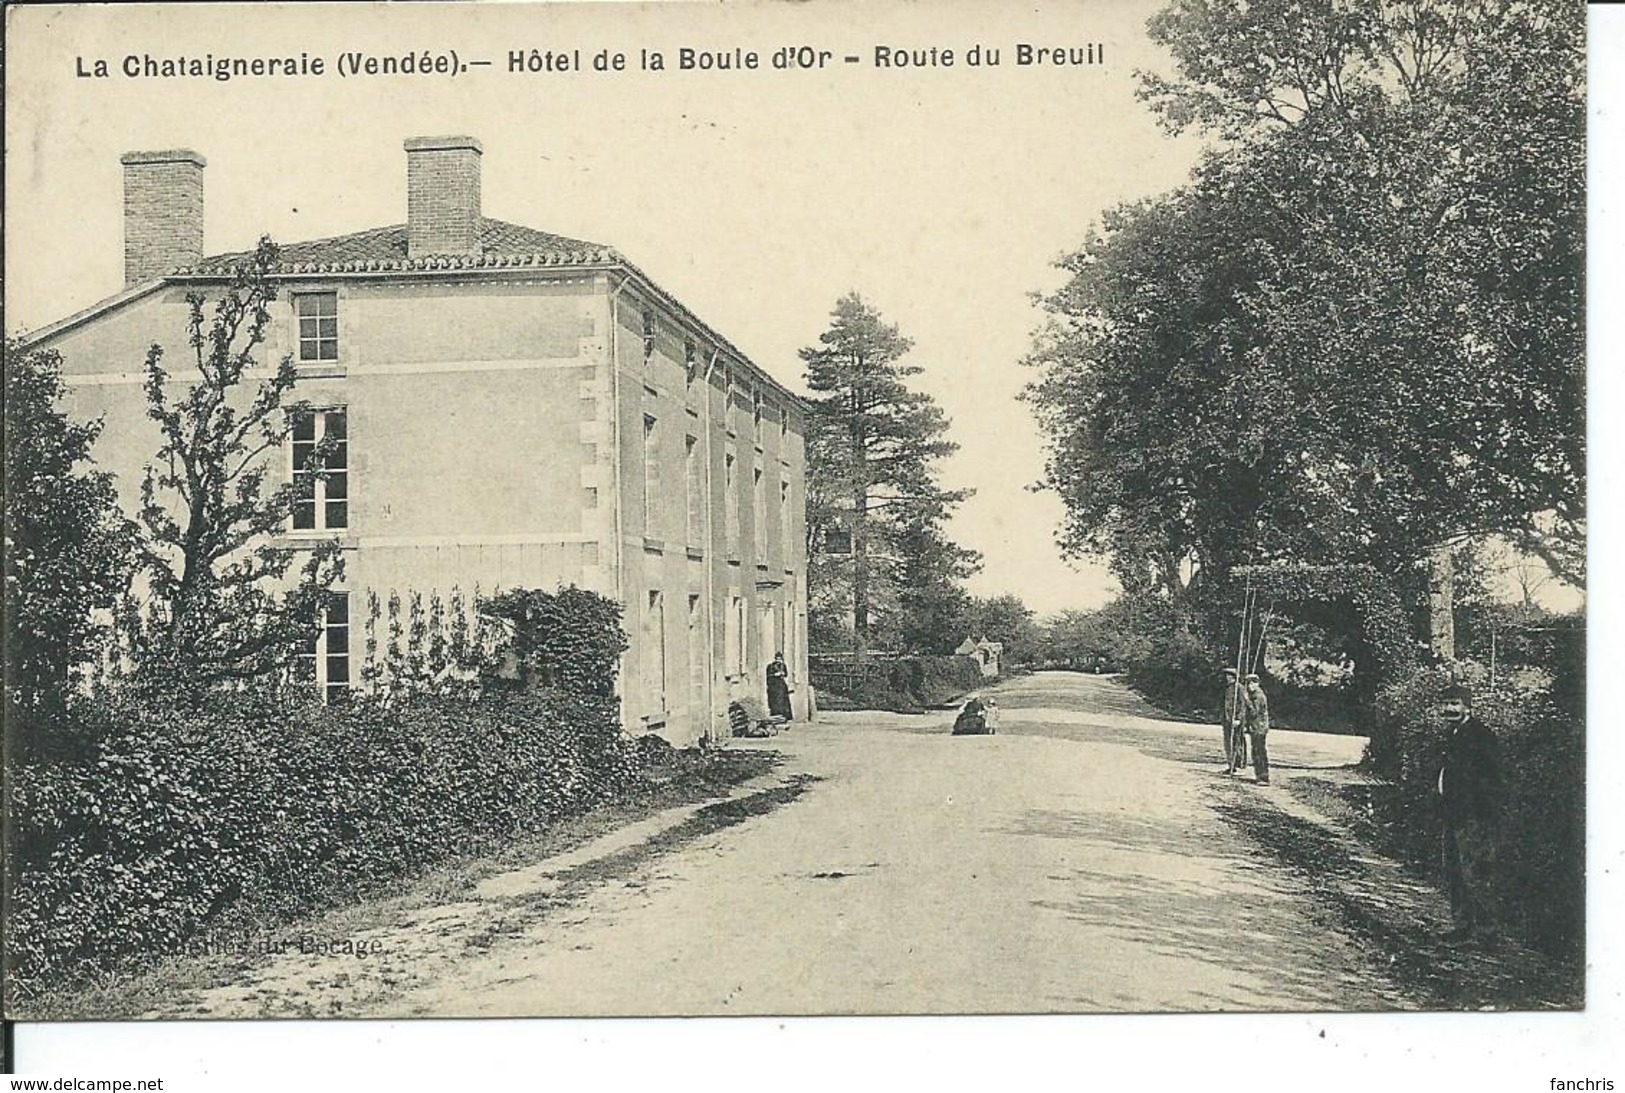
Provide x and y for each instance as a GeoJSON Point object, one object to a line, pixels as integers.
{"type": "Point", "coordinates": [1255, 721]}
{"type": "Point", "coordinates": [1235, 754]}
{"type": "Point", "coordinates": [1470, 791]}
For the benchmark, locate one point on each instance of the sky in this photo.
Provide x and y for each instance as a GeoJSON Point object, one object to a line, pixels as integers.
{"type": "Point", "coordinates": [942, 194]}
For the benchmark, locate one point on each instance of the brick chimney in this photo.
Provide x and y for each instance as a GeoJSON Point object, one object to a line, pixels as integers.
{"type": "Point", "coordinates": [163, 212]}
{"type": "Point", "coordinates": [443, 195]}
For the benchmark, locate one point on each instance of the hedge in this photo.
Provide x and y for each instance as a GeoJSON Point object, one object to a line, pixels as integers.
{"type": "Point", "coordinates": [176, 815]}
{"type": "Point", "coordinates": [1176, 670]}
{"type": "Point", "coordinates": [900, 684]}
{"type": "Point", "coordinates": [1541, 732]}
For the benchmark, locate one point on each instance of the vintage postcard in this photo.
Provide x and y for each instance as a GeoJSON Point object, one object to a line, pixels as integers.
{"type": "Point", "coordinates": [647, 510]}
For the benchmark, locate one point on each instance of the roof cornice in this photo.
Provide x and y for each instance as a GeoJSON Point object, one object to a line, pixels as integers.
{"type": "Point", "coordinates": [647, 283]}
{"type": "Point", "coordinates": [433, 263]}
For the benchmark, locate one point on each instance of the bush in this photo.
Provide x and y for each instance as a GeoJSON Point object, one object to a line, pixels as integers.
{"type": "Point", "coordinates": [177, 814]}
{"type": "Point", "coordinates": [1175, 669]}
{"type": "Point", "coordinates": [936, 680]}
{"type": "Point", "coordinates": [571, 638]}
{"type": "Point", "coordinates": [1541, 732]}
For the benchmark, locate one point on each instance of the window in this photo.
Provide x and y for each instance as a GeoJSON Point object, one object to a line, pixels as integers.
{"type": "Point", "coordinates": [784, 521]}
{"type": "Point", "coordinates": [648, 334]}
{"type": "Point", "coordinates": [756, 414]}
{"type": "Point", "coordinates": [696, 655]}
{"type": "Point", "coordinates": [318, 325]}
{"type": "Point", "coordinates": [784, 422]}
{"type": "Point", "coordinates": [758, 504]}
{"type": "Point", "coordinates": [733, 636]}
{"type": "Point", "coordinates": [791, 641]}
{"type": "Point", "coordinates": [321, 486]}
{"type": "Point", "coordinates": [730, 501]}
{"type": "Point", "coordinates": [651, 475]}
{"type": "Point", "coordinates": [325, 658]}
{"type": "Point", "coordinates": [694, 492]}
{"type": "Point", "coordinates": [654, 651]}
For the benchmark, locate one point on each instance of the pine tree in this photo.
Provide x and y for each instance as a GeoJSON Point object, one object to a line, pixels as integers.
{"type": "Point", "coordinates": [871, 446]}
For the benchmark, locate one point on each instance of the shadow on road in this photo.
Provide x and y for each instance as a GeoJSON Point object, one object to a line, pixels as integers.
{"type": "Point", "coordinates": [1118, 830]}
{"type": "Point", "coordinates": [1198, 915]}
{"type": "Point", "coordinates": [707, 820]}
{"type": "Point", "coordinates": [1239, 930]}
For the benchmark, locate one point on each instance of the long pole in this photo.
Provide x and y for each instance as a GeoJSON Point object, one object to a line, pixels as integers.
{"type": "Point", "coordinates": [1241, 643]}
{"type": "Point", "coordinates": [1263, 632]}
{"type": "Point", "coordinates": [1235, 686]}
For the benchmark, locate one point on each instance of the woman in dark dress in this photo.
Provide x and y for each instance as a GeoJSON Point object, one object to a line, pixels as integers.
{"type": "Point", "coordinates": [778, 687]}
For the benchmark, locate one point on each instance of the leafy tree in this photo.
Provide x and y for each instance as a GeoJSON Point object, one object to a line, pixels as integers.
{"type": "Point", "coordinates": [68, 547]}
{"type": "Point", "coordinates": [871, 446]}
{"type": "Point", "coordinates": [1429, 158]}
{"type": "Point", "coordinates": [1355, 336]}
{"type": "Point", "coordinates": [1084, 639]}
{"type": "Point", "coordinates": [221, 607]}
{"type": "Point", "coordinates": [931, 601]}
{"type": "Point", "coordinates": [1004, 619]}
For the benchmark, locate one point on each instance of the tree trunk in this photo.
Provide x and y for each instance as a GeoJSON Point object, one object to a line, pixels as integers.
{"type": "Point", "coordinates": [1441, 604]}
{"type": "Point", "coordinates": [860, 573]}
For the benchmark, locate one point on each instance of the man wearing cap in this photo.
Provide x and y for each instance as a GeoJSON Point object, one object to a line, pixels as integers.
{"type": "Point", "coordinates": [1235, 746]}
{"type": "Point", "coordinates": [1255, 722]}
{"type": "Point", "coordinates": [1470, 790]}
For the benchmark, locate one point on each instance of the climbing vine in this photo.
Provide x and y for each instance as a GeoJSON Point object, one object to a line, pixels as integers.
{"type": "Point", "coordinates": [1386, 650]}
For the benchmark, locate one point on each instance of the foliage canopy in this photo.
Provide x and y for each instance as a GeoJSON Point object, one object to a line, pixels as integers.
{"type": "Point", "coordinates": [1356, 335]}
{"type": "Point", "coordinates": [67, 546]}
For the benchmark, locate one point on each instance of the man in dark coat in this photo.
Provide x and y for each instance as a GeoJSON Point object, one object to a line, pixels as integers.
{"type": "Point", "coordinates": [1255, 722]}
{"type": "Point", "coordinates": [1470, 792]}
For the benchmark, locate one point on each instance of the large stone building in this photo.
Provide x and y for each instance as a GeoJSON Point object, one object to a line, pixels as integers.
{"type": "Point", "coordinates": [515, 410]}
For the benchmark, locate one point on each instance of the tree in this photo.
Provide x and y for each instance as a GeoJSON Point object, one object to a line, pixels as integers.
{"type": "Point", "coordinates": [1430, 160]}
{"type": "Point", "coordinates": [1004, 619]}
{"type": "Point", "coordinates": [1081, 639]}
{"type": "Point", "coordinates": [1354, 337]}
{"type": "Point", "coordinates": [871, 447]}
{"type": "Point", "coordinates": [68, 547]}
{"type": "Point", "coordinates": [1110, 637]}
{"type": "Point", "coordinates": [931, 600]}
{"type": "Point", "coordinates": [220, 607]}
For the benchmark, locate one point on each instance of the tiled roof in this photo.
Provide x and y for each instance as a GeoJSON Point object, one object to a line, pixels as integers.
{"type": "Point", "coordinates": [501, 245]}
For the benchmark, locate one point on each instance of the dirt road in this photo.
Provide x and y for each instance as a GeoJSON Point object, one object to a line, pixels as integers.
{"type": "Point", "coordinates": [1079, 861]}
